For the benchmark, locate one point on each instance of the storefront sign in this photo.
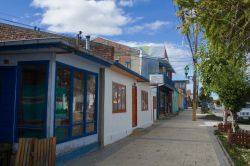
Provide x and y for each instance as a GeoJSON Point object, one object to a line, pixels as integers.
{"type": "Point", "coordinates": [156, 79]}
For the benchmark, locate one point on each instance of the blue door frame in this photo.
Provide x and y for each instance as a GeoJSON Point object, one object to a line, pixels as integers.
{"type": "Point", "coordinates": [7, 103]}
{"type": "Point", "coordinates": [19, 69]}
{"type": "Point", "coordinates": [86, 73]}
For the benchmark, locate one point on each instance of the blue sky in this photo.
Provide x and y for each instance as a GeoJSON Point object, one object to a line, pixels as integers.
{"type": "Point", "coordinates": [132, 22]}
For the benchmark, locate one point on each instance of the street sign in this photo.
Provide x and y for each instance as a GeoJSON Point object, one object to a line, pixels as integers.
{"type": "Point", "coordinates": [156, 79]}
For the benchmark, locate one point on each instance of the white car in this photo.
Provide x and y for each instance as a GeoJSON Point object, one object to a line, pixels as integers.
{"type": "Point", "coordinates": [244, 114]}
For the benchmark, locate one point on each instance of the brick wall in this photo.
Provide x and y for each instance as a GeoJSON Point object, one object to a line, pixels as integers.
{"type": "Point", "coordinates": [102, 50]}
{"type": "Point", "coordinates": [121, 52]}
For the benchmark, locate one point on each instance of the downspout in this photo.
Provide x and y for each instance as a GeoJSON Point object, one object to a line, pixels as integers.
{"type": "Point", "coordinates": [158, 102]}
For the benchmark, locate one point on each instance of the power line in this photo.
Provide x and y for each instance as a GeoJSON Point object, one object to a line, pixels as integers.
{"type": "Point", "coordinates": [10, 15]}
{"type": "Point", "coordinates": [63, 35]}
{"type": "Point", "coordinates": [15, 22]}
{"type": "Point", "coordinates": [30, 26]}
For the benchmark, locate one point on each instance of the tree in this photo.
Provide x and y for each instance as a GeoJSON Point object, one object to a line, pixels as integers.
{"type": "Point", "coordinates": [223, 23]}
{"type": "Point", "coordinates": [205, 96]}
{"type": "Point", "coordinates": [225, 26]}
{"type": "Point", "coordinates": [217, 102]}
{"type": "Point", "coordinates": [225, 74]}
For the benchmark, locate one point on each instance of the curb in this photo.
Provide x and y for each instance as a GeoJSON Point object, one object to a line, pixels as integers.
{"type": "Point", "coordinates": [225, 152]}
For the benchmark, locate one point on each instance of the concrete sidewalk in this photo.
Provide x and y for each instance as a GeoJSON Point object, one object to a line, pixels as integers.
{"type": "Point", "coordinates": [174, 142]}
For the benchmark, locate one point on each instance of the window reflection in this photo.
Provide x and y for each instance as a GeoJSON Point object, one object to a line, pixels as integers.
{"type": "Point", "coordinates": [91, 100]}
{"type": "Point", "coordinates": [32, 103]}
{"type": "Point", "coordinates": [71, 108]}
{"type": "Point", "coordinates": [119, 98]}
{"type": "Point", "coordinates": [78, 103]}
{"type": "Point", "coordinates": [62, 103]}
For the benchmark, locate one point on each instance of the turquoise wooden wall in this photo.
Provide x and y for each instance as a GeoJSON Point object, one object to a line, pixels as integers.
{"type": "Point", "coordinates": [175, 101]}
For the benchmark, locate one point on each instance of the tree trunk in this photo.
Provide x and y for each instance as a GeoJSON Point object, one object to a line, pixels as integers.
{"type": "Point", "coordinates": [233, 114]}
{"type": "Point", "coordinates": [225, 117]}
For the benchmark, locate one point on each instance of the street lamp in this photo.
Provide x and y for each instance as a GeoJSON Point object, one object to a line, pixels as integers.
{"type": "Point", "coordinates": [186, 70]}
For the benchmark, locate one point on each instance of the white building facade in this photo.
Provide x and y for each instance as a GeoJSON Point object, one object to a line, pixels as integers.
{"type": "Point", "coordinates": [128, 104]}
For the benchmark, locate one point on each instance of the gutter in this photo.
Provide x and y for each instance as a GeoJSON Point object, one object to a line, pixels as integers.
{"type": "Point", "coordinates": [51, 42]}
{"type": "Point", "coordinates": [130, 71]}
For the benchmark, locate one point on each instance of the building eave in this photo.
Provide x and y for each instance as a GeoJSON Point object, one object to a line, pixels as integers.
{"type": "Point", "coordinates": [128, 72]}
{"type": "Point", "coordinates": [47, 43]}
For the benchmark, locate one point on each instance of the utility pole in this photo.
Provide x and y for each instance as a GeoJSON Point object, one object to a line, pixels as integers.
{"type": "Point", "coordinates": [192, 37]}
{"type": "Point", "coordinates": [195, 88]}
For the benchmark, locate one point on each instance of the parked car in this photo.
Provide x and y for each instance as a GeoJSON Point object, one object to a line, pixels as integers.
{"type": "Point", "coordinates": [244, 114]}
{"type": "Point", "coordinates": [204, 107]}
{"type": "Point", "coordinates": [211, 106]}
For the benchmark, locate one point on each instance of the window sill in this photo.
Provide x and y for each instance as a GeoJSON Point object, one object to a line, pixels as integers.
{"type": "Point", "coordinates": [76, 137]}
{"type": "Point", "coordinates": [119, 112]}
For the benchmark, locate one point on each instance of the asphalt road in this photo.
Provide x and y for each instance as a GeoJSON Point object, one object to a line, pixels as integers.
{"type": "Point", "coordinates": [244, 126]}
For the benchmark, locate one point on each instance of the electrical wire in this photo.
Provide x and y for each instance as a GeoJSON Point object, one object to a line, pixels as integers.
{"type": "Point", "coordinates": [64, 35]}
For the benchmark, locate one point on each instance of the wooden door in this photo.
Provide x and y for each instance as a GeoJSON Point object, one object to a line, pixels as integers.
{"type": "Point", "coordinates": [134, 106]}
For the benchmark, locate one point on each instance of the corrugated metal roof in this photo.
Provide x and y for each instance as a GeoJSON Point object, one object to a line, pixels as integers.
{"type": "Point", "coordinates": [154, 51]}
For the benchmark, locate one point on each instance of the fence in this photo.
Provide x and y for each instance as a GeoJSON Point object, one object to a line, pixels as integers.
{"type": "Point", "coordinates": [36, 152]}
{"type": "Point", "coordinates": [241, 137]}
{"type": "Point", "coordinates": [225, 127]}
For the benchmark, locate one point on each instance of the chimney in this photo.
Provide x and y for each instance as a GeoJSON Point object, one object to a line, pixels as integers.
{"type": "Point", "coordinates": [78, 38]}
{"type": "Point", "coordinates": [87, 42]}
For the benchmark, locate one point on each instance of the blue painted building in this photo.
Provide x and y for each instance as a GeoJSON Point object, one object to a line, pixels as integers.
{"type": "Point", "coordinates": [180, 83]}
{"type": "Point", "coordinates": [154, 64]}
{"type": "Point", "coordinates": [49, 88]}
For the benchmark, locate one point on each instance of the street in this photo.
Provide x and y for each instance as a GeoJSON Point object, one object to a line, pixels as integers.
{"type": "Point", "coordinates": [244, 126]}
{"type": "Point", "coordinates": [174, 142]}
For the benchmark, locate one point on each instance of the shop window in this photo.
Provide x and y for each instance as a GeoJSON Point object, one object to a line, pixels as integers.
{"type": "Point", "coordinates": [32, 100]}
{"type": "Point", "coordinates": [62, 121]}
{"type": "Point", "coordinates": [78, 104]}
{"type": "Point", "coordinates": [144, 100]}
{"type": "Point", "coordinates": [119, 98]}
{"type": "Point", "coordinates": [76, 98]}
{"type": "Point", "coordinates": [91, 104]}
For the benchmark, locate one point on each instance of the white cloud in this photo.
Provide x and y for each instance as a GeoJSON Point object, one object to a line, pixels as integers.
{"type": "Point", "coordinates": [91, 17]}
{"type": "Point", "coordinates": [131, 3]}
{"type": "Point", "coordinates": [179, 56]}
{"type": "Point", "coordinates": [128, 3]}
{"type": "Point", "coordinates": [147, 27]}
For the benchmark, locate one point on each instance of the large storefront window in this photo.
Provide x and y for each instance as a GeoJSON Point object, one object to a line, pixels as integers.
{"type": "Point", "coordinates": [91, 104]}
{"type": "Point", "coordinates": [32, 100]}
{"type": "Point", "coordinates": [62, 121]}
{"type": "Point", "coordinates": [73, 101]}
{"type": "Point", "coordinates": [78, 104]}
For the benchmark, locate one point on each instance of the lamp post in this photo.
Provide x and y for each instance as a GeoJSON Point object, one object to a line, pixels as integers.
{"type": "Point", "coordinates": [194, 77]}
{"type": "Point", "coordinates": [186, 70]}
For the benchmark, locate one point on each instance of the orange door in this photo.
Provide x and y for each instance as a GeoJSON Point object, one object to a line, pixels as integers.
{"type": "Point", "coordinates": [134, 106]}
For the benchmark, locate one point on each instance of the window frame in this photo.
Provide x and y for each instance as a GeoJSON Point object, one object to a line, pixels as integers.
{"type": "Point", "coordinates": [18, 93]}
{"type": "Point", "coordinates": [144, 96]}
{"type": "Point", "coordinates": [154, 102]}
{"type": "Point", "coordinates": [85, 73]}
{"type": "Point", "coordinates": [119, 110]}
{"type": "Point", "coordinates": [96, 104]}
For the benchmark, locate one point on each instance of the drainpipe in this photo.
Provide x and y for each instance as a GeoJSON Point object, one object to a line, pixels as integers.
{"type": "Point", "coordinates": [158, 102]}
